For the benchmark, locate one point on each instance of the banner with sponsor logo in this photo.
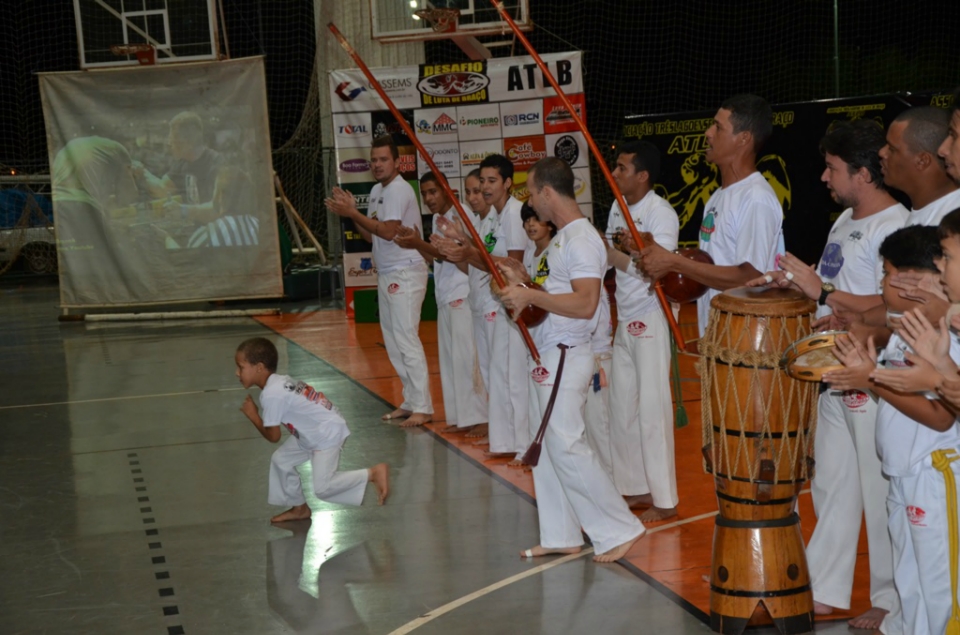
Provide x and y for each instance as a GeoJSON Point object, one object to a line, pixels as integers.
{"type": "Point", "coordinates": [790, 161]}
{"type": "Point", "coordinates": [461, 112]}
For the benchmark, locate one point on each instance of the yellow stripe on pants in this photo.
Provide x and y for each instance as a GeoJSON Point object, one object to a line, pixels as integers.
{"type": "Point", "coordinates": [941, 462]}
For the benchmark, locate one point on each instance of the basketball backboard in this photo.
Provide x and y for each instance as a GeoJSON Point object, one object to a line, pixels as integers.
{"type": "Point", "coordinates": [396, 20]}
{"type": "Point", "coordinates": [180, 30]}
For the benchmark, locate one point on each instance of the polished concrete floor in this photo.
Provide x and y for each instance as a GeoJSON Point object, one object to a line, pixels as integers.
{"type": "Point", "coordinates": [133, 500]}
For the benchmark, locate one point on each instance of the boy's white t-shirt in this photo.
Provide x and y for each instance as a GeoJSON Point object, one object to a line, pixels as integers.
{"type": "Point", "coordinates": [449, 282]}
{"type": "Point", "coordinates": [509, 234]}
{"type": "Point", "coordinates": [482, 299]}
{"type": "Point", "coordinates": [396, 201]}
{"type": "Point", "coordinates": [741, 223]}
{"type": "Point", "coordinates": [932, 213]}
{"type": "Point", "coordinates": [902, 443]}
{"type": "Point", "coordinates": [652, 214]}
{"type": "Point", "coordinates": [306, 413]}
{"type": "Point", "coordinates": [576, 252]}
{"type": "Point", "coordinates": [851, 259]}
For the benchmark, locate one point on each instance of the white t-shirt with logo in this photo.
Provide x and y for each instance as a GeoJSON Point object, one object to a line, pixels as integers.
{"type": "Point", "coordinates": [510, 235]}
{"type": "Point", "coordinates": [449, 283]}
{"type": "Point", "coordinates": [482, 300]}
{"type": "Point", "coordinates": [902, 443]}
{"type": "Point", "coordinates": [538, 268]}
{"type": "Point", "coordinates": [741, 223]}
{"type": "Point", "coordinates": [932, 213]}
{"type": "Point", "coordinates": [305, 412]}
{"type": "Point", "coordinates": [576, 252]}
{"type": "Point", "coordinates": [396, 201]}
{"type": "Point", "coordinates": [851, 259]}
{"type": "Point", "coordinates": [652, 214]}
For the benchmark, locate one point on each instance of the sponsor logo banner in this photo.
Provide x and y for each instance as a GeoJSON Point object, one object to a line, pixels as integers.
{"type": "Point", "coordinates": [351, 92]}
{"type": "Point", "coordinates": [478, 122]}
{"type": "Point", "coordinates": [359, 269]}
{"type": "Point", "coordinates": [435, 122]}
{"type": "Point", "coordinates": [454, 84]}
{"type": "Point", "coordinates": [353, 165]}
{"type": "Point", "coordinates": [408, 163]}
{"type": "Point", "coordinates": [556, 117]}
{"type": "Point", "coordinates": [518, 118]}
{"type": "Point", "coordinates": [354, 130]}
{"type": "Point", "coordinates": [473, 152]}
{"type": "Point", "coordinates": [581, 185]}
{"type": "Point", "coordinates": [446, 156]}
{"type": "Point", "coordinates": [384, 123]}
{"type": "Point", "coordinates": [571, 147]}
{"type": "Point", "coordinates": [514, 78]}
{"type": "Point", "coordinates": [524, 151]}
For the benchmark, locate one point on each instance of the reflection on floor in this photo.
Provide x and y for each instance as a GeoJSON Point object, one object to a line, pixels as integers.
{"type": "Point", "coordinates": [133, 496]}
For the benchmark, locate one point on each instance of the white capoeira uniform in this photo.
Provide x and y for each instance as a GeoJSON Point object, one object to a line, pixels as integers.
{"type": "Point", "coordinates": [932, 213]}
{"type": "Point", "coordinates": [572, 489]}
{"type": "Point", "coordinates": [464, 394]}
{"type": "Point", "coordinates": [924, 469]}
{"type": "Point", "coordinates": [848, 481]}
{"type": "Point", "coordinates": [483, 303]}
{"type": "Point", "coordinates": [596, 411]}
{"type": "Point", "coordinates": [317, 432]}
{"type": "Point", "coordinates": [741, 223]}
{"type": "Point", "coordinates": [508, 430]}
{"type": "Point", "coordinates": [401, 287]}
{"type": "Point", "coordinates": [641, 415]}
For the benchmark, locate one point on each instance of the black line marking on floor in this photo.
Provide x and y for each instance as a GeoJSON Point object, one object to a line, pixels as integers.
{"type": "Point", "coordinates": [670, 595]}
{"type": "Point", "coordinates": [162, 575]}
{"type": "Point", "coordinates": [165, 592]}
{"type": "Point", "coordinates": [153, 532]}
{"type": "Point", "coordinates": [144, 510]}
{"type": "Point", "coordinates": [175, 630]}
{"type": "Point", "coordinates": [141, 489]}
{"type": "Point", "coordinates": [143, 499]}
{"type": "Point", "coordinates": [171, 610]}
{"type": "Point", "coordinates": [159, 559]}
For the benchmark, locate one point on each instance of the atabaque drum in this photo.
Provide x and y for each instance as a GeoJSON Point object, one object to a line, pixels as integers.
{"type": "Point", "coordinates": [758, 429]}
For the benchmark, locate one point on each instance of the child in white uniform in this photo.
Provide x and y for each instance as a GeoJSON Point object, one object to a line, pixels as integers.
{"type": "Point", "coordinates": [317, 432]}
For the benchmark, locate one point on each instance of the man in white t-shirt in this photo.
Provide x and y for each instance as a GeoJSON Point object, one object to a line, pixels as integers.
{"type": "Point", "coordinates": [912, 165]}
{"type": "Point", "coordinates": [849, 483]}
{"type": "Point", "coordinates": [742, 221]}
{"type": "Point", "coordinates": [641, 416]}
{"type": "Point", "coordinates": [401, 275]}
{"type": "Point", "coordinates": [573, 490]}
{"type": "Point", "coordinates": [464, 395]}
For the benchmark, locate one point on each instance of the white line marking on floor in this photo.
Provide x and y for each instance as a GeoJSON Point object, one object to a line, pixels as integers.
{"type": "Point", "coordinates": [163, 394]}
{"type": "Point", "coordinates": [446, 608]}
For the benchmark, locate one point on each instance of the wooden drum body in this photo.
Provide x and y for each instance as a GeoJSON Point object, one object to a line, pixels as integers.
{"type": "Point", "coordinates": [758, 429]}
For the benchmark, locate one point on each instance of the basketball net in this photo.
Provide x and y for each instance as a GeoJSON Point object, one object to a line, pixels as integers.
{"type": "Point", "coordinates": [442, 20]}
{"type": "Point", "coordinates": [146, 53]}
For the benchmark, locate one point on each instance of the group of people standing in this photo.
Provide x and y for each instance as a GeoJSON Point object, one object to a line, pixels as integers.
{"type": "Point", "coordinates": [595, 467]}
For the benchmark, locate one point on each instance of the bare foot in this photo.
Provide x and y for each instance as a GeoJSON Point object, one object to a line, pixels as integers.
{"type": "Point", "coordinates": [454, 429]}
{"type": "Point", "coordinates": [869, 620]}
{"type": "Point", "coordinates": [617, 552]}
{"type": "Point", "coordinates": [656, 514]}
{"type": "Point", "coordinates": [516, 463]}
{"type": "Point", "coordinates": [499, 455]}
{"type": "Point", "coordinates": [819, 608]}
{"type": "Point", "coordinates": [399, 413]}
{"type": "Point", "coordinates": [640, 500]}
{"type": "Point", "coordinates": [481, 442]}
{"type": "Point", "coordinates": [417, 419]}
{"type": "Point", "coordinates": [380, 477]}
{"type": "Point", "coordinates": [478, 431]}
{"type": "Point", "coordinates": [300, 512]}
{"type": "Point", "coordinates": [538, 551]}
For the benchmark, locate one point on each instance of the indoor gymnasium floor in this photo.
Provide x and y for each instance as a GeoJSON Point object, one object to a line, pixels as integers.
{"type": "Point", "coordinates": [133, 499]}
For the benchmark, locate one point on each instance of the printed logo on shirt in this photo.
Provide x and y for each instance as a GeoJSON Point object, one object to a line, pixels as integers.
{"type": "Point", "coordinates": [393, 288]}
{"type": "Point", "coordinates": [540, 374]}
{"type": "Point", "coordinates": [291, 430]}
{"type": "Point", "coordinates": [708, 226]}
{"type": "Point", "coordinates": [854, 398]}
{"type": "Point", "coordinates": [456, 303]}
{"type": "Point", "coordinates": [855, 236]}
{"type": "Point", "coordinates": [491, 316]}
{"type": "Point", "coordinates": [543, 270]}
{"type": "Point", "coordinates": [916, 516]}
{"type": "Point", "coordinates": [831, 261]}
{"type": "Point", "coordinates": [309, 393]}
{"type": "Point", "coordinates": [636, 328]}
{"type": "Point", "coordinates": [490, 241]}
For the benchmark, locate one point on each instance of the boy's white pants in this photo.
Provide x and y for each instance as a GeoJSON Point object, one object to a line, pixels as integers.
{"type": "Point", "coordinates": [400, 295]}
{"type": "Point", "coordinates": [849, 484]}
{"type": "Point", "coordinates": [329, 485]}
{"type": "Point", "coordinates": [572, 489]}
{"type": "Point", "coordinates": [483, 325]}
{"type": "Point", "coordinates": [596, 414]}
{"type": "Point", "coordinates": [464, 395]}
{"type": "Point", "coordinates": [923, 524]}
{"type": "Point", "coordinates": [508, 388]}
{"type": "Point", "coordinates": [641, 410]}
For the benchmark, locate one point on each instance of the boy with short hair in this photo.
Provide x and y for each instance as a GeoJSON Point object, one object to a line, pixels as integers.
{"type": "Point", "coordinates": [917, 436]}
{"type": "Point", "coordinates": [317, 432]}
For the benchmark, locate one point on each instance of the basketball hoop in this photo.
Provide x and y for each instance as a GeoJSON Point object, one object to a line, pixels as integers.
{"type": "Point", "coordinates": [146, 53]}
{"type": "Point", "coordinates": [442, 20]}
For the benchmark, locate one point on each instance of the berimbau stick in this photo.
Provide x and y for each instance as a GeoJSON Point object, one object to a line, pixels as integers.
{"type": "Point", "coordinates": [674, 327]}
{"type": "Point", "coordinates": [467, 222]}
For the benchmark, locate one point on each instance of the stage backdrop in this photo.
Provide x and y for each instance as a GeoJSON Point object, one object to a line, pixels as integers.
{"type": "Point", "coordinates": [462, 113]}
{"type": "Point", "coordinates": [790, 161]}
{"type": "Point", "coordinates": [162, 184]}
